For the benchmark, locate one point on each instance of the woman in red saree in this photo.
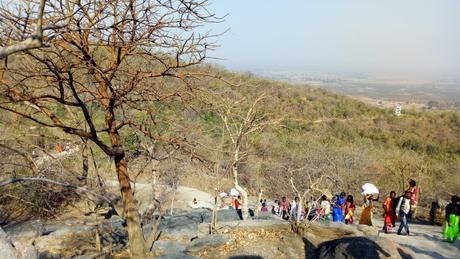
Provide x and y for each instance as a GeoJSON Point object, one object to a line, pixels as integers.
{"type": "Point", "coordinates": [389, 213]}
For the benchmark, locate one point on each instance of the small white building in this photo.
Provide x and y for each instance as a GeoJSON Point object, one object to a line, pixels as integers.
{"type": "Point", "coordinates": [398, 109]}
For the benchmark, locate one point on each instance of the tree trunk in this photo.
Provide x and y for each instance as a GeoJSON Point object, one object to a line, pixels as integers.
{"type": "Point", "coordinates": [100, 182]}
{"type": "Point", "coordinates": [244, 200]}
{"type": "Point", "coordinates": [172, 200]}
{"type": "Point", "coordinates": [155, 203]}
{"type": "Point", "coordinates": [135, 234]}
{"type": "Point", "coordinates": [299, 209]}
{"type": "Point", "coordinates": [154, 233]}
{"type": "Point", "coordinates": [259, 197]}
{"type": "Point", "coordinates": [85, 162]}
{"type": "Point", "coordinates": [213, 224]}
{"type": "Point", "coordinates": [241, 190]}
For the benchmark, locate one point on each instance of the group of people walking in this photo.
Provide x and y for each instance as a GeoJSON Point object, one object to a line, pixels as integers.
{"type": "Point", "coordinates": [403, 206]}
{"type": "Point", "coordinates": [394, 207]}
{"type": "Point", "coordinates": [287, 210]}
{"type": "Point", "coordinates": [341, 208]}
{"type": "Point", "coordinates": [324, 209]}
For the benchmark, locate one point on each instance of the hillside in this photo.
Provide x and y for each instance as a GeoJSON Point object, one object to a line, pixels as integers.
{"type": "Point", "coordinates": [317, 132]}
{"type": "Point", "coordinates": [356, 142]}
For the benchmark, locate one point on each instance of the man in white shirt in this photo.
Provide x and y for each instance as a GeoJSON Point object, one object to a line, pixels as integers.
{"type": "Point", "coordinates": [403, 209]}
{"type": "Point", "coordinates": [294, 205]}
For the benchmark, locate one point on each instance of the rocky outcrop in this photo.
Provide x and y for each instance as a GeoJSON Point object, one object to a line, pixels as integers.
{"type": "Point", "coordinates": [185, 225]}
{"type": "Point", "coordinates": [12, 248]}
{"type": "Point", "coordinates": [26, 231]}
{"type": "Point", "coordinates": [65, 240]}
{"type": "Point", "coordinates": [69, 238]}
{"type": "Point", "coordinates": [183, 235]}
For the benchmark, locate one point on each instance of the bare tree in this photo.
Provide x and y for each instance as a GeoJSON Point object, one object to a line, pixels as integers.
{"type": "Point", "coordinates": [109, 62]}
{"type": "Point", "coordinates": [311, 179]}
{"type": "Point", "coordinates": [346, 164]}
{"type": "Point", "coordinates": [239, 125]}
{"type": "Point", "coordinates": [403, 166]}
{"type": "Point", "coordinates": [312, 186]}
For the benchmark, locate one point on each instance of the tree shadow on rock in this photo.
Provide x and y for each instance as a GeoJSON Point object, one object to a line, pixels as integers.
{"type": "Point", "coordinates": [356, 247]}
{"type": "Point", "coordinates": [404, 255]}
{"type": "Point", "coordinates": [309, 249]}
{"type": "Point", "coordinates": [427, 252]}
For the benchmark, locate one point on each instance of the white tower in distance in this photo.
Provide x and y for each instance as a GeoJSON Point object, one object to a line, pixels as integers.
{"type": "Point", "coordinates": [398, 109]}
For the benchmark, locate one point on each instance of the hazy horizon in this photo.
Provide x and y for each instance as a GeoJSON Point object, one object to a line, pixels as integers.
{"type": "Point", "coordinates": [401, 39]}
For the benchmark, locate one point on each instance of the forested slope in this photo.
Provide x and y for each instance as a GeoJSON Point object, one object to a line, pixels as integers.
{"type": "Point", "coordinates": [314, 132]}
{"type": "Point", "coordinates": [322, 131]}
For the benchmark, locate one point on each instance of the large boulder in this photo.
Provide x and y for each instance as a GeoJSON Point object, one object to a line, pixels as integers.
{"type": "Point", "coordinates": [321, 231]}
{"type": "Point", "coordinates": [168, 247]}
{"type": "Point", "coordinates": [75, 238]}
{"type": "Point", "coordinates": [25, 231]}
{"type": "Point", "coordinates": [64, 240]}
{"type": "Point", "coordinates": [227, 215]}
{"type": "Point", "coordinates": [360, 247]}
{"type": "Point", "coordinates": [12, 249]}
{"type": "Point", "coordinates": [368, 230]}
{"type": "Point", "coordinates": [72, 237]}
{"type": "Point", "coordinates": [183, 226]}
{"type": "Point", "coordinates": [165, 249]}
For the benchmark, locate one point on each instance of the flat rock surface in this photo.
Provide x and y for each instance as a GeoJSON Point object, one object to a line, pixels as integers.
{"type": "Point", "coordinates": [255, 240]}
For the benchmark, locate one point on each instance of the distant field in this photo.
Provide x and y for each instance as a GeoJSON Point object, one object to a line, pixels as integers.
{"type": "Point", "coordinates": [443, 95]}
{"type": "Point", "coordinates": [438, 95]}
{"type": "Point", "coordinates": [406, 105]}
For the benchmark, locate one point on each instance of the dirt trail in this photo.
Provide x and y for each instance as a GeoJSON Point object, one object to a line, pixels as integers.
{"type": "Point", "coordinates": [55, 156]}
{"type": "Point", "coordinates": [183, 196]}
{"type": "Point", "coordinates": [425, 241]}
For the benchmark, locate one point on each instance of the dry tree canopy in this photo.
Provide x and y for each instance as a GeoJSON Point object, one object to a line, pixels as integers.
{"type": "Point", "coordinates": [103, 56]}
{"type": "Point", "coordinates": [108, 67]}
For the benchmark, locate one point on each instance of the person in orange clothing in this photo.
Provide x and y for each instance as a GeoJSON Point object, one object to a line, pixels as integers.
{"type": "Point", "coordinates": [366, 212]}
{"type": "Point", "coordinates": [389, 213]}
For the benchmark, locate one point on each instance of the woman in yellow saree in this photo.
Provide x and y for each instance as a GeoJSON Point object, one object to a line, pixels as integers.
{"type": "Point", "coordinates": [366, 212]}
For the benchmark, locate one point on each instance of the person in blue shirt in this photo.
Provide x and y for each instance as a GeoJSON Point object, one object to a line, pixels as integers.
{"type": "Point", "coordinates": [338, 207]}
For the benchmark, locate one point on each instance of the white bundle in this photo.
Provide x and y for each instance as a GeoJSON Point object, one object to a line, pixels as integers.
{"type": "Point", "coordinates": [234, 192]}
{"type": "Point", "coordinates": [369, 188]}
{"type": "Point", "coordinates": [223, 194]}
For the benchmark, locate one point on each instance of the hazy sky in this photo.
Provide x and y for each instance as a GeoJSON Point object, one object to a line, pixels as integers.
{"type": "Point", "coordinates": [406, 38]}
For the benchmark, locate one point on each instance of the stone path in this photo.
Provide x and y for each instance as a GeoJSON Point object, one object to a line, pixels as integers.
{"type": "Point", "coordinates": [425, 241]}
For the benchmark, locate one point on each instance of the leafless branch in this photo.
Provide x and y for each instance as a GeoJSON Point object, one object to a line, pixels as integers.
{"type": "Point", "coordinates": [34, 41]}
